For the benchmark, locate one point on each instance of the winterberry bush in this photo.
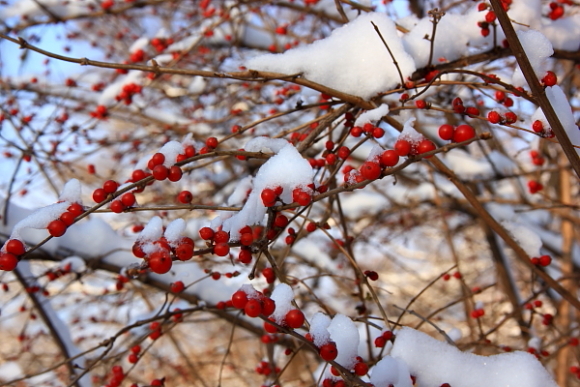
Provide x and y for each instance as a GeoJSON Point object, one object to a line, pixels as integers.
{"type": "Point", "coordinates": [289, 193]}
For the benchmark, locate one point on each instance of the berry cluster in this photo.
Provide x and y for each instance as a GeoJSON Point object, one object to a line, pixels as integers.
{"type": "Point", "coordinates": [218, 240]}
{"type": "Point", "coordinates": [253, 302]}
{"type": "Point", "coordinates": [381, 341]}
{"type": "Point", "coordinates": [159, 254]}
{"type": "Point", "coordinates": [537, 159]}
{"type": "Point", "coordinates": [10, 254]}
{"type": "Point", "coordinates": [543, 260]}
{"type": "Point", "coordinates": [535, 186]}
{"type": "Point", "coordinates": [477, 313]}
{"type": "Point", "coordinates": [128, 91]}
{"type": "Point", "coordinates": [57, 227]}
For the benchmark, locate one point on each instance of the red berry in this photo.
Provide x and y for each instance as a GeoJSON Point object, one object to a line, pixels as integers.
{"type": "Point", "coordinates": [499, 96]}
{"type": "Point", "coordinates": [76, 209]}
{"type": "Point", "coordinates": [446, 131]}
{"type": "Point", "coordinates": [372, 275]}
{"type": "Point", "coordinates": [268, 306]}
{"type": "Point", "coordinates": [132, 358]}
{"type": "Point", "coordinates": [128, 199]}
{"type": "Point", "coordinates": [370, 170]}
{"type": "Point", "coordinates": [493, 117]}
{"type": "Point", "coordinates": [184, 251]}
{"type": "Point", "coordinates": [185, 197]}
{"type": "Point", "coordinates": [510, 117]}
{"type": "Point", "coordinates": [160, 261]}
{"type": "Point", "coordinates": [246, 239]}
{"type": "Point", "coordinates": [110, 186]}
{"type": "Point", "coordinates": [99, 195]}
{"type": "Point", "coordinates": [378, 132]}
{"type": "Point", "coordinates": [138, 251]}
{"type": "Point", "coordinates": [545, 260]}
{"type": "Point", "coordinates": [206, 233]}
{"type": "Point", "coordinates": [463, 133]}
{"type": "Point", "coordinates": [281, 221]}
{"type": "Point", "coordinates": [294, 318]}
{"type": "Point", "coordinates": [356, 131]}
{"type": "Point", "coordinates": [490, 17]}
{"type": "Point", "coordinates": [15, 246]}
{"type": "Point", "coordinates": [420, 104]}
{"type": "Point", "coordinates": [328, 351]}
{"type": "Point", "coordinates": [343, 152]}
{"type": "Point", "coordinates": [268, 197]}
{"type": "Point", "coordinates": [174, 174]}
{"type": "Point", "coordinates": [221, 237]}
{"type": "Point", "coordinates": [157, 159]}
{"type": "Point", "coordinates": [117, 206]}
{"type": "Point", "coordinates": [389, 158]}
{"type": "Point", "coordinates": [56, 228]}
{"type": "Point", "coordinates": [139, 174]}
{"type": "Point", "coordinates": [402, 147]}
{"type": "Point", "coordinates": [253, 308]}
{"type": "Point", "coordinates": [269, 274]}
{"type": "Point", "coordinates": [160, 172]}
{"type": "Point", "coordinates": [472, 111]}
{"type": "Point", "coordinates": [538, 126]}
{"type": "Point", "coordinates": [221, 249]}
{"type": "Point", "coordinates": [8, 261]}
{"type": "Point", "coordinates": [211, 142]}
{"type": "Point", "coordinates": [239, 299]}
{"type": "Point", "coordinates": [269, 327]}
{"type": "Point", "coordinates": [380, 342]}
{"type": "Point", "coordinates": [177, 287]}
{"type": "Point", "coordinates": [426, 146]}
{"type": "Point", "coordinates": [361, 369]}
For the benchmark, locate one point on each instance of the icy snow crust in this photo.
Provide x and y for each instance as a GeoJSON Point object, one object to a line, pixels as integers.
{"type": "Point", "coordinates": [434, 362]}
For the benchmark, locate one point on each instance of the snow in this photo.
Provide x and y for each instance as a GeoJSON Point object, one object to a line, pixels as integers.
{"type": "Point", "coordinates": [71, 192]}
{"type": "Point", "coordinates": [409, 133]}
{"type": "Point", "coordinates": [352, 59]}
{"type": "Point", "coordinates": [318, 329]}
{"type": "Point", "coordinates": [526, 238]}
{"type": "Point", "coordinates": [372, 115]}
{"type": "Point", "coordinates": [77, 264]}
{"type": "Point", "coordinates": [40, 218]}
{"type": "Point", "coordinates": [243, 186]}
{"type": "Point", "coordinates": [152, 231]}
{"type": "Point", "coordinates": [282, 296]}
{"type": "Point", "coordinates": [170, 150]}
{"type": "Point", "coordinates": [391, 371]}
{"type": "Point", "coordinates": [564, 112]}
{"type": "Point", "coordinates": [564, 33]}
{"type": "Point", "coordinates": [345, 334]}
{"type": "Point", "coordinates": [465, 165]}
{"type": "Point", "coordinates": [297, 173]}
{"type": "Point", "coordinates": [537, 48]}
{"type": "Point", "coordinates": [173, 231]}
{"type": "Point", "coordinates": [434, 362]}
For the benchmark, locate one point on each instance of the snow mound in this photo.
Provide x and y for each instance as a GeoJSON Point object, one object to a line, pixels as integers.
{"type": "Point", "coordinates": [352, 59]}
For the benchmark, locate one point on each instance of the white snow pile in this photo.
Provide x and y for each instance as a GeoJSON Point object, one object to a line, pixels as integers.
{"type": "Point", "coordinates": [282, 295]}
{"type": "Point", "coordinates": [372, 115]}
{"type": "Point", "coordinates": [434, 362]}
{"type": "Point", "coordinates": [352, 59]}
{"type": "Point", "coordinates": [538, 48]}
{"type": "Point", "coordinates": [564, 112]}
{"type": "Point", "coordinates": [286, 169]}
{"type": "Point", "coordinates": [391, 371]}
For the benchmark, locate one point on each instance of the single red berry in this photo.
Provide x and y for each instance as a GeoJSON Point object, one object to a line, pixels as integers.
{"type": "Point", "coordinates": [160, 261]}
{"type": "Point", "coordinates": [128, 199]}
{"type": "Point", "coordinates": [380, 342]}
{"type": "Point", "coordinates": [378, 132]}
{"type": "Point", "coordinates": [157, 159]}
{"type": "Point", "coordinates": [294, 318]}
{"type": "Point", "coordinates": [139, 174]}
{"type": "Point", "coordinates": [132, 358]}
{"type": "Point", "coordinates": [426, 146]}
{"type": "Point", "coordinates": [490, 17]}
{"type": "Point", "coordinates": [508, 102]}
{"type": "Point", "coordinates": [311, 227]}
{"type": "Point", "coordinates": [446, 131]}
{"type": "Point", "coordinates": [117, 206]}
{"type": "Point", "coordinates": [370, 170]}
{"type": "Point", "coordinates": [206, 233]}
{"type": "Point", "coordinates": [175, 173]}
{"type": "Point", "coordinates": [76, 209]}
{"type": "Point", "coordinates": [8, 261]}
{"type": "Point", "coordinates": [361, 369]}
{"type": "Point", "coordinates": [389, 158]}
{"type": "Point", "coordinates": [472, 111]}
{"type": "Point", "coordinates": [239, 299]}
{"type": "Point", "coordinates": [185, 197]}
{"type": "Point", "coordinates": [268, 306]}
{"type": "Point", "coordinates": [402, 147]}
{"type": "Point", "coordinates": [328, 351]}
{"type": "Point", "coordinates": [56, 228]}
{"type": "Point", "coordinates": [281, 221]}
{"type": "Point", "coordinates": [493, 117]}
{"type": "Point", "coordinates": [268, 197]}
{"type": "Point", "coordinates": [463, 133]}
{"type": "Point", "coordinates": [545, 260]}
{"type": "Point", "coordinates": [15, 246]}
{"type": "Point", "coordinates": [247, 238]}
{"type": "Point", "coordinates": [211, 142]}
{"type": "Point", "coordinates": [499, 96]}
{"type": "Point", "coordinates": [356, 131]}
{"type": "Point", "coordinates": [99, 195]}
{"type": "Point", "coordinates": [184, 251]}
{"type": "Point", "coordinates": [269, 327]}
{"type": "Point", "coordinates": [110, 186]}
{"type": "Point", "coordinates": [538, 126]}
{"type": "Point", "coordinates": [343, 152]}
{"type": "Point", "coordinates": [221, 237]}
{"type": "Point", "coordinates": [138, 250]}
{"type": "Point", "coordinates": [253, 308]}
{"type": "Point", "coordinates": [221, 249]}
{"type": "Point", "coordinates": [160, 172]}
{"type": "Point", "coordinates": [269, 274]}
{"type": "Point", "coordinates": [420, 104]}
{"type": "Point", "coordinates": [177, 287]}
{"type": "Point", "coordinates": [372, 275]}
{"type": "Point", "coordinates": [510, 117]}
{"type": "Point", "coordinates": [136, 349]}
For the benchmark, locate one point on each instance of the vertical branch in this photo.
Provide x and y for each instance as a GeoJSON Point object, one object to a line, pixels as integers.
{"type": "Point", "coordinates": [435, 15]}
{"type": "Point", "coordinates": [537, 89]}
{"type": "Point", "coordinates": [390, 53]}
